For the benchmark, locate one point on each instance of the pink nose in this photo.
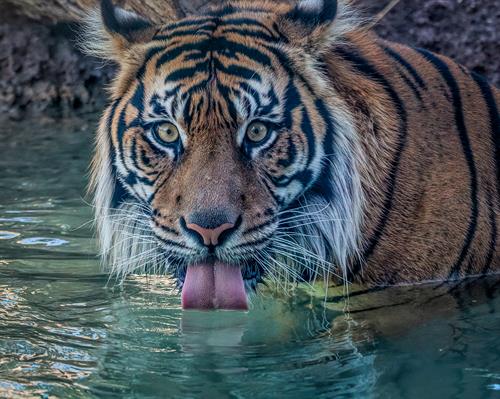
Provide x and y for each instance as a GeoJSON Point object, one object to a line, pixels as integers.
{"type": "Point", "coordinates": [210, 236]}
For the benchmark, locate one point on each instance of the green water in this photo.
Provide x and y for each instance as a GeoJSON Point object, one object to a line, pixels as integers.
{"type": "Point", "coordinates": [68, 332]}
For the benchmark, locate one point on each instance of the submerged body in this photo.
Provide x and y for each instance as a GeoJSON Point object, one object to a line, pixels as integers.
{"type": "Point", "coordinates": [288, 142]}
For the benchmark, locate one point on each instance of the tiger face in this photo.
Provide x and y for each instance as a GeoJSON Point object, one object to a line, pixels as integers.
{"type": "Point", "coordinates": [225, 157]}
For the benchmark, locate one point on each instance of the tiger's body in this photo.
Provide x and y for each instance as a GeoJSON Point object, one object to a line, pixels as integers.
{"type": "Point", "coordinates": [434, 211]}
{"type": "Point", "coordinates": [376, 162]}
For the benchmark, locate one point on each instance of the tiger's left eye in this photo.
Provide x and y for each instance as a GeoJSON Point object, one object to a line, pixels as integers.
{"type": "Point", "coordinates": [167, 133]}
{"type": "Point", "coordinates": [256, 132]}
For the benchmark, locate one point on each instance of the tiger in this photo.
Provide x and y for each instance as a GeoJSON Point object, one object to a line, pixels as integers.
{"type": "Point", "coordinates": [285, 142]}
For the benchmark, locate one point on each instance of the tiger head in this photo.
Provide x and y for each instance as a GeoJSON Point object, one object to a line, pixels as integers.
{"type": "Point", "coordinates": [225, 156]}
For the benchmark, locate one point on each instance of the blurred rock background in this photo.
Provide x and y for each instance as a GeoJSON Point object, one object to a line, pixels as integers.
{"type": "Point", "coordinates": [43, 74]}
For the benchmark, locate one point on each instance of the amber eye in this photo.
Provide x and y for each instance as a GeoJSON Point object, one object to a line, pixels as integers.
{"type": "Point", "coordinates": [167, 132]}
{"type": "Point", "coordinates": [256, 132]}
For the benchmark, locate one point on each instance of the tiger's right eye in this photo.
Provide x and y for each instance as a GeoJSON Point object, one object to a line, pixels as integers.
{"type": "Point", "coordinates": [167, 133]}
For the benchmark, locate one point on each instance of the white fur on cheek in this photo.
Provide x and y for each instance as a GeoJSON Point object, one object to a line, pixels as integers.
{"type": "Point", "coordinates": [324, 236]}
{"type": "Point", "coordinates": [124, 245]}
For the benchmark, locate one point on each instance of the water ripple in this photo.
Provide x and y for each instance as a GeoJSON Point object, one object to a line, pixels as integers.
{"type": "Point", "coordinates": [8, 235]}
{"type": "Point", "coordinates": [64, 333]}
{"type": "Point", "coordinates": [21, 220]}
{"type": "Point", "coordinates": [48, 242]}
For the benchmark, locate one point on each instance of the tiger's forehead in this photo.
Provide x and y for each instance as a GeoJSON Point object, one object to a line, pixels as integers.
{"type": "Point", "coordinates": [251, 20]}
{"type": "Point", "coordinates": [227, 67]}
{"type": "Point", "coordinates": [256, 14]}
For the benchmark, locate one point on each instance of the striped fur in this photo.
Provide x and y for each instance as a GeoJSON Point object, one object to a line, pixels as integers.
{"type": "Point", "coordinates": [381, 165]}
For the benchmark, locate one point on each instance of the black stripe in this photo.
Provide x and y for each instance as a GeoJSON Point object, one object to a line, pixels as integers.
{"type": "Point", "coordinates": [137, 101]}
{"type": "Point", "coordinates": [166, 229]}
{"type": "Point", "coordinates": [411, 85]}
{"type": "Point", "coordinates": [493, 238]}
{"type": "Point", "coordinates": [187, 22]}
{"type": "Point", "coordinates": [149, 55]}
{"type": "Point", "coordinates": [172, 243]}
{"type": "Point", "coordinates": [324, 184]}
{"type": "Point", "coordinates": [307, 129]}
{"type": "Point", "coordinates": [137, 154]}
{"type": "Point", "coordinates": [248, 33]}
{"type": "Point", "coordinates": [159, 186]}
{"type": "Point", "coordinates": [202, 28]}
{"type": "Point", "coordinates": [157, 106]}
{"type": "Point", "coordinates": [260, 226]}
{"type": "Point", "coordinates": [369, 70]}
{"type": "Point", "coordinates": [231, 50]}
{"type": "Point", "coordinates": [237, 70]}
{"type": "Point", "coordinates": [495, 138]}
{"type": "Point", "coordinates": [206, 31]}
{"type": "Point", "coordinates": [234, 48]}
{"type": "Point", "coordinates": [406, 64]}
{"type": "Point", "coordinates": [249, 22]}
{"type": "Point", "coordinates": [494, 123]}
{"type": "Point", "coordinates": [226, 93]}
{"type": "Point", "coordinates": [184, 73]}
{"type": "Point", "coordinates": [273, 102]}
{"type": "Point", "coordinates": [287, 65]}
{"type": "Point", "coordinates": [251, 92]}
{"type": "Point", "coordinates": [196, 56]}
{"type": "Point", "coordinates": [277, 200]}
{"type": "Point", "coordinates": [128, 180]}
{"type": "Point", "coordinates": [445, 72]}
{"type": "Point", "coordinates": [172, 53]}
{"type": "Point", "coordinates": [120, 195]}
{"type": "Point", "coordinates": [410, 69]}
{"type": "Point", "coordinates": [293, 103]}
{"type": "Point", "coordinates": [132, 178]}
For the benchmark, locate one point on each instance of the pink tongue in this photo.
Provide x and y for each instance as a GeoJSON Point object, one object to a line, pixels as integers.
{"type": "Point", "coordinates": [214, 286]}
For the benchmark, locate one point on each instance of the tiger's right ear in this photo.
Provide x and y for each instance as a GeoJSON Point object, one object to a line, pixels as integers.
{"type": "Point", "coordinates": [112, 33]}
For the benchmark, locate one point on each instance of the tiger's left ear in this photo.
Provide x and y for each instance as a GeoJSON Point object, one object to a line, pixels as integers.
{"type": "Point", "coordinates": [113, 33]}
{"type": "Point", "coordinates": [314, 24]}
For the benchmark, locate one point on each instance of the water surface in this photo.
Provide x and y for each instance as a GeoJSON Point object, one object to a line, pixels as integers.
{"type": "Point", "coordinates": [68, 332]}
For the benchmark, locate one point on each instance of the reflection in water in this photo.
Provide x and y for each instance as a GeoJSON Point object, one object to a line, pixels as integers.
{"type": "Point", "coordinates": [277, 345]}
{"type": "Point", "coordinates": [66, 331]}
